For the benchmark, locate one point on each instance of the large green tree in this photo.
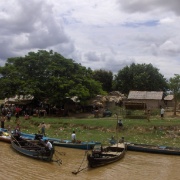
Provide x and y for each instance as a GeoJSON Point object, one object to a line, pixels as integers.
{"type": "Point", "coordinates": [141, 77]}
{"type": "Point", "coordinates": [47, 76]}
{"type": "Point", "coordinates": [105, 78]}
{"type": "Point", "coordinates": [174, 84]}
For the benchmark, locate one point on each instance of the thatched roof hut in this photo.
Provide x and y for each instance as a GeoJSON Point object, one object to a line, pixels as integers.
{"type": "Point", "coordinates": [19, 99]}
{"type": "Point", "coordinates": [112, 98]}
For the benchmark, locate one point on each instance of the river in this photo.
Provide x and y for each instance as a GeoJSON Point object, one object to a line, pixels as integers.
{"type": "Point", "coordinates": [134, 166]}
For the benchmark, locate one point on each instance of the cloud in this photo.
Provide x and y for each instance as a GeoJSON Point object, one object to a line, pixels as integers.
{"type": "Point", "coordinates": [170, 48]}
{"type": "Point", "coordinates": [29, 26]}
{"type": "Point", "coordinates": [150, 5]}
{"type": "Point", "coordinates": [99, 34]}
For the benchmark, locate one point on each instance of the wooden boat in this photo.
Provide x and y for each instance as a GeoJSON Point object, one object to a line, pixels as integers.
{"type": "Point", "coordinates": [77, 145]}
{"type": "Point", "coordinates": [63, 143]}
{"type": "Point", "coordinates": [102, 156]}
{"type": "Point", "coordinates": [32, 148]}
{"type": "Point", "coordinates": [5, 136]}
{"type": "Point", "coordinates": [36, 136]}
{"type": "Point", "coordinates": [153, 149]}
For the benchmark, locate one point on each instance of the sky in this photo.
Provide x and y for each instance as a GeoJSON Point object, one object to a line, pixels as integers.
{"type": "Point", "coordinates": [100, 34]}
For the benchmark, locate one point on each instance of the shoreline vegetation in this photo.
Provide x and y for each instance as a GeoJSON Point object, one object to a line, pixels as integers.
{"type": "Point", "coordinates": [156, 132]}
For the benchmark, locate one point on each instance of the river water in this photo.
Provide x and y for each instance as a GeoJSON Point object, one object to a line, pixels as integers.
{"type": "Point", "coordinates": [134, 166]}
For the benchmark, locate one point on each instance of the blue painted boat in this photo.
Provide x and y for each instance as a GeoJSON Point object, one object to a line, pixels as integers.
{"type": "Point", "coordinates": [31, 148]}
{"type": "Point", "coordinates": [63, 143]}
{"type": "Point", "coordinates": [78, 145]}
{"type": "Point", "coordinates": [3, 130]}
{"type": "Point", "coordinates": [153, 149]}
{"type": "Point", "coordinates": [33, 136]}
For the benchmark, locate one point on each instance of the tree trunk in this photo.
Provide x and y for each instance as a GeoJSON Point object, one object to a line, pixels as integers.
{"type": "Point", "coordinates": [175, 105]}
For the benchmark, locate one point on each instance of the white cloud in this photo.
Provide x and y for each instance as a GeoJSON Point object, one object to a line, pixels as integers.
{"type": "Point", "coordinates": [98, 33]}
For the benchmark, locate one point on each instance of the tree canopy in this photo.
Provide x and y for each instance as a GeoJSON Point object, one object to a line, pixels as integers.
{"type": "Point", "coordinates": [105, 77]}
{"type": "Point", "coordinates": [47, 76]}
{"type": "Point", "coordinates": [174, 84]}
{"type": "Point", "coordinates": [142, 77]}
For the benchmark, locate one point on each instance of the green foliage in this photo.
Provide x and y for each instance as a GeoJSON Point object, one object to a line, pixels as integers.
{"type": "Point", "coordinates": [105, 78]}
{"type": "Point", "coordinates": [47, 76]}
{"type": "Point", "coordinates": [174, 84]}
{"type": "Point", "coordinates": [142, 77]}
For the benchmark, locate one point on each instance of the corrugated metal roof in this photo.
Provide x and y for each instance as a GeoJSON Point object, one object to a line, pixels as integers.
{"type": "Point", "coordinates": [169, 97]}
{"type": "Point", "coordinates": [156, 95]}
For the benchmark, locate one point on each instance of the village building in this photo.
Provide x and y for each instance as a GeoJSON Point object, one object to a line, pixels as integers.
{"type": "Point", "coordinates": [146, 99]}
{"type": "Point", "coordinates": [169, 101]}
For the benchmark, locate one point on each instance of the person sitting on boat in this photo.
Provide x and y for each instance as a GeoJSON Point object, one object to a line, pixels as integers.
{"type": "Point", "coordinates": [48, 145]}
{"type": "Point", "coordinates": [112, 140]}
{"type": "Point", "coordinates": [17, 133]}
{"type": "Point", "coordinates": [73, 137]}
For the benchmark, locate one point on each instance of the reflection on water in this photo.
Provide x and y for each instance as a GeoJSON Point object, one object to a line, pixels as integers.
{"type": "Point", "coordinates": [134, 166]}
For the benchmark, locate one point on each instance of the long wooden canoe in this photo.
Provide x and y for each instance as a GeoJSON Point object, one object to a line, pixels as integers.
{"type": "Point", "coordinates": [153, 149]}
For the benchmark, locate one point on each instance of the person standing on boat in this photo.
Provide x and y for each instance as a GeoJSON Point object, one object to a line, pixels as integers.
{"type": "Point", "coordinates": [73, 137]}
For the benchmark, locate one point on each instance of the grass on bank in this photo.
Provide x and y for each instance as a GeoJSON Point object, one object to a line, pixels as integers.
{"type": "Point", "coordinates": [157, 131]}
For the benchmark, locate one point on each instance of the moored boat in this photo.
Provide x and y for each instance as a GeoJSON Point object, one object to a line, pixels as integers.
{"type": "Point", "coordinates": [78, 144]}
{"type": "Point", "coordinates": [5, 136]}
{"type": "Point", "coordinates": [153, 149]}
{"type": "Point", "coordinates": [62, 143]}
{"type": "Point", "coordinates": [32, 148]}
{"type": "Point", "coordinates": [102, 156]}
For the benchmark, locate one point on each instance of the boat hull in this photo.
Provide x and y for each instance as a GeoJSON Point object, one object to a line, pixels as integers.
{"type": "Point", "coordinates": [4, 135]}
{"type": "Point", "coordinates": [153, 149]}
{"type": "Point", "coordinates": [81, 145]}
{"type": "Point", "coordinates": [109, 155]}
{"type": "Point", "coordinates": [6, 139]}
{"type": "Point", "coordinates": [32, 149]}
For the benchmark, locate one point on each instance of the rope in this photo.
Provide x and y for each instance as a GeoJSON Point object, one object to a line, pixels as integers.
{"type": "Point", "coordinates": [76, 172]}
{"type": "Point", "coordinates": [60, 153]}
{"type": "Point", "coordinates": [58, 160]}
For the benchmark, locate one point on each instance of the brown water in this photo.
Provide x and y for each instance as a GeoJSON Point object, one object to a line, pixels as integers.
{"type": "Point", "coordinates": [134, 166]}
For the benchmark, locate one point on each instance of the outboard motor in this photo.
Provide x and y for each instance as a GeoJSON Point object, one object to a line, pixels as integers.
{"type": "Point", "coordinates": [38, 137]}
{"type": "Point", "coordinates": [97, 151]}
